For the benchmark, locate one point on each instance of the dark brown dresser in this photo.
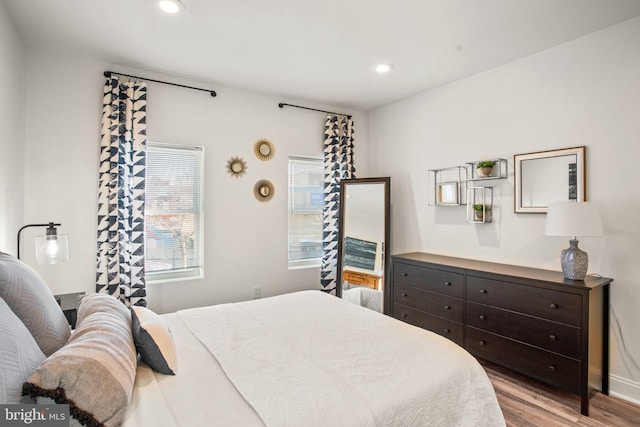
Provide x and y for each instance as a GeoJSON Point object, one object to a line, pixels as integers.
{"type": "Point", "coordinates": [532, 321]}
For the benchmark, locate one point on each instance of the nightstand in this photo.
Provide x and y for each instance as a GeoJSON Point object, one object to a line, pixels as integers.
{"type": "Point", "coordinates": [69, 305]}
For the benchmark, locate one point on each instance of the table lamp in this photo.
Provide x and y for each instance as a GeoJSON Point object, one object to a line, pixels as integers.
{"type": "Point", "coordinates": [573, 219]}
{"type": "Point", "coordinates": [51, 248]}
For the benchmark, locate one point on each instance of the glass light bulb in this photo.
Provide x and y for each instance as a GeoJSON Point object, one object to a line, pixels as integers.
{"type": "Point", "coordinates": [51, 249]}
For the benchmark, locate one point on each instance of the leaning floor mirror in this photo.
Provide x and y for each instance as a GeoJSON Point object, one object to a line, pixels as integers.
{"type": "Point", "coordinates": [363, 252]}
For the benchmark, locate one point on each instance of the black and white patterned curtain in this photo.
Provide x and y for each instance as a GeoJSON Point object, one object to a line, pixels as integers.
{"type": "Point", "coordinates": [338, 165]}
{"type": "Point", "coordinates": [120, 255]}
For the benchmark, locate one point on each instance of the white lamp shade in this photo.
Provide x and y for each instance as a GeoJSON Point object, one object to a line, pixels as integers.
{"type": "Point", "coordinates": [573, 219]}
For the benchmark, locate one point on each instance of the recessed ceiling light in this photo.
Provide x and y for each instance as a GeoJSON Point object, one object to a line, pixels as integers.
{"type": "Point", "coordinates": [383, 68]}
{"type": "Point", "coordinates": [171, 6]}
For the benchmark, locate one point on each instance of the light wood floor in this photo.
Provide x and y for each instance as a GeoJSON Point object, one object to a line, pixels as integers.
{"type": "Point", "coordinates": [528, 403]}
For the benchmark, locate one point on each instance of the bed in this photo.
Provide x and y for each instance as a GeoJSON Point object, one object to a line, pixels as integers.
{"type": "Point", "coordinates": [305, 358]}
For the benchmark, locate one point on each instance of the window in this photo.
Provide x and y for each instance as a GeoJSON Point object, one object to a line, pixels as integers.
{"type": "Point", "coordinates": [173, 217]}
{"type": "Point", "coordinates": [305, 211]}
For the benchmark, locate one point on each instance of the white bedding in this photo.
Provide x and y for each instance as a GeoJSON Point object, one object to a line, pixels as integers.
{"type": "Point", "coordinates": [198, 395]}
{"type": "Point", "coordinates": [310, 359]}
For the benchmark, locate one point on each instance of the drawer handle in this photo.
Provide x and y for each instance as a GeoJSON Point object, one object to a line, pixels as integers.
{"type": "Point", "coordinates": [447, 307]}
{"type": "Point", "coordinates": [482, 342]}
{"type": "Point", "coordinates": [446, 331]}
{"type": "Point", "coordinates": [404, 274]}
{"type": "Point", "coordinates": [482, 317]}
{"type": "Point", "coordinates": [447, 283]}
{"type": "Point", "coordinates": [554, 306]}
{"type": "Point", "coordinates": [483, 291]}
{"type": "Point", "coordinates": [552, 337]}
{"type": "Point", "coordinates": [404, 294]}
{"type": "Point", "coordinates": [404, 315]}
{"type": "Point", "coordinates": [552, 368]}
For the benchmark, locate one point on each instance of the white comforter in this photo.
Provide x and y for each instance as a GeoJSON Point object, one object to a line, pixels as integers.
{"type": "Point", "coordinates": [310, 359]}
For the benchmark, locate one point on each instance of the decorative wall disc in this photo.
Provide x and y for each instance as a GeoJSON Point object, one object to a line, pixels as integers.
{"type": "Point", "coordinates": [264, 149]}
{"type": "Point", "coordinates": [263, 190]}
{"type": "Point", "coordinates": [236, 167]}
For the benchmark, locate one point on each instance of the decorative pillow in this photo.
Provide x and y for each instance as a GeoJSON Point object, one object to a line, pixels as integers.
{"type": "Point", "coordinates": [153, 340]}
{"type": "Point", "coordinates": [19, 355]}
{"type": "Point", "coordinates": [95, 371]}
{"type": "Point", "coordinates": [30, 299]}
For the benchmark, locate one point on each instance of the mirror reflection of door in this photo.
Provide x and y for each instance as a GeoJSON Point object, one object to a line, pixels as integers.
{"type": "Point", "coordinates": [364, 234]}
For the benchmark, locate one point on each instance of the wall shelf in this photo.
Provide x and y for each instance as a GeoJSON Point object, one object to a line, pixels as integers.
{"type": "Point", "coordinates": [480, 197]}
{"type": "Point", "coordinates": [459, 186]}
{"type": "Point", "coordinates": [447, 186]}
{"type": "Point", "coordinates": [499, 170]}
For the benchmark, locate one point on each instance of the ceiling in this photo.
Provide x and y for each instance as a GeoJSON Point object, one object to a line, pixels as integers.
{"type": "Point", "coordinates": [323, 51]}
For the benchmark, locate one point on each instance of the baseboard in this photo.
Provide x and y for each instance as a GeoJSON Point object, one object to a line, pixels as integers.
{"type": "Point", "coordinates": [624, 389]}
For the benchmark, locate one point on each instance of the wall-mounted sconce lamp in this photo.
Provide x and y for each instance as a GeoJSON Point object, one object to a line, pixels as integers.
{"type": "Point", "coordinates": [51, 248]}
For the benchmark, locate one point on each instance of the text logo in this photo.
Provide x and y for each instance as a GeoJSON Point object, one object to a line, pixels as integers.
{"type": "Point", "coordinates": [34, 415]}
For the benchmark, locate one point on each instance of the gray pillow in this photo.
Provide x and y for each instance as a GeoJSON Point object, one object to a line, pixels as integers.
{"type": "Point", "coordinates": [30, 299]}
{"type": "Point", "coordinates": [95, 371]}
{"type": "Point", "coordinates": [19, 355]}
{"type": "Point", "coordinates": [153, 340]}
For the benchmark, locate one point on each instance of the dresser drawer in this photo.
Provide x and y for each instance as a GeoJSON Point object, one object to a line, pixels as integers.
{"type": "Point", "coordinates": [438, 304]}
{"type": "Point", "coordinates": [553, 336]}
{"type": "Point", "coordinates": [553, 305]}
{"type": "Point", "coordinates": [545, 366]}
{"type": "Point", "coordinates": [447, 328]}
{"type": "Point", "coordinates": [429, 279]}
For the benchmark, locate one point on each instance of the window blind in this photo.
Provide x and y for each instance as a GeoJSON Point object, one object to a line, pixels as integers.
{"type": "Point", "coordinates": [173, 228]}
{"type": "Point", "coordinates": [305, 208]}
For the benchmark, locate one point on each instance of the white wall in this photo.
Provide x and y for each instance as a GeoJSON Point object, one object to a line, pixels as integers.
{"type": "Point", "coordinates": [586, 92]}
{"type": "Point", "coordinates": [12, 68]}
{"type": "Point", "coordinates": [245, 240]}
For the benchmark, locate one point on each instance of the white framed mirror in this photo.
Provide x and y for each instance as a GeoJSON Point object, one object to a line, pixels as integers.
{"type": "Point", "coordinates": [363, 252]}
{"type": "Point", "coordinates": [547, 176]}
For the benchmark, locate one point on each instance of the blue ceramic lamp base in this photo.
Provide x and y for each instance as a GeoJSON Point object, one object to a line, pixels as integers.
{"type": "Point", "coordinates": [574, 261]}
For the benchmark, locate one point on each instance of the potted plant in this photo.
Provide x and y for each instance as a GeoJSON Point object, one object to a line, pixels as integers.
{"type": "Point", "coordinates": [482, 212]}
{"type": "Point", "coordinates": [485, 167]}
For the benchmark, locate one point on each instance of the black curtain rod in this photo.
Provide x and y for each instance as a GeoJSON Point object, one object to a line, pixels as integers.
{"type": "Point", "coordinates": [282, 105]}
{"type": "Point", "coordinates": [109, 73]}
